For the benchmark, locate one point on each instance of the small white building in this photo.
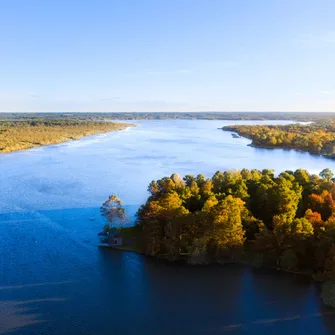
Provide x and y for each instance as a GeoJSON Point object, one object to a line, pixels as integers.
{"type": "Point", "coordinates": [111, 238]}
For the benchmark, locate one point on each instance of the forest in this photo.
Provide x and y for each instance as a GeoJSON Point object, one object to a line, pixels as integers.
{"type": "Point", "coordinates": [309, 116]}
{"type": "Point", "coordinates": [285, 221]}
{"type": "Point", "coordinates": [316, 138]}
{"type": "Point", "coordinates": [20, 135]}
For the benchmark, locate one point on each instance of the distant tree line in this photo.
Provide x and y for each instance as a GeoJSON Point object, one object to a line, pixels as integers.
{"type": "Point", "coordinates": [316, 138]}
{"type": "Point", "coordinates": [285, 221]}
{"type": "Point", "coordinates": [172, 115]}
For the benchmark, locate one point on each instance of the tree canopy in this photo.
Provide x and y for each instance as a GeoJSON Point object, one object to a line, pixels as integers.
{"type": "Point", "coordinates": [286, 221]}
{"type": "Point", "coordinates": [317, 138]}
{"type": "Point", "coordinates": [21, 135]}
{"type": "Point", "coordinates": [114, 211]}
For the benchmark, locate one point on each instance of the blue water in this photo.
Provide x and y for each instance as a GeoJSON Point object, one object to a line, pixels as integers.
{"type": "Point", "coordinates": [54, 279]}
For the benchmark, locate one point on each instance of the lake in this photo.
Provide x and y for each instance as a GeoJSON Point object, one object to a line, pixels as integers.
{"type": "Point", "coordinates": [54, 279]}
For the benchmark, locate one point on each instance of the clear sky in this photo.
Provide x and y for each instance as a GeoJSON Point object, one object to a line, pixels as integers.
{"type": "Point", "coordinates": [167, 55]}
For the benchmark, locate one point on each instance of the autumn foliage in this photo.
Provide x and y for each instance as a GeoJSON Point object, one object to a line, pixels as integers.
{"type": "Point", "coordinates": [316, 138]}
{"type": "Point", "coordinates": [21, 135]}
{"type": "Point", "coordinates": [287, 221]}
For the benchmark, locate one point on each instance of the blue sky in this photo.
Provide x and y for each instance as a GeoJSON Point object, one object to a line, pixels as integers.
{"type": "Point", "coordinates": [167, 55]}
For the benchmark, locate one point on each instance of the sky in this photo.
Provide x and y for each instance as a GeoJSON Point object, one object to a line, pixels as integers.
{"type": "Point", "coordinates": [167, 55]}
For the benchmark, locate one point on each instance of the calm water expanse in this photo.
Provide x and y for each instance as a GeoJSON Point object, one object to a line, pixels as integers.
{"type": "Point", "coordinates": [54, 279]}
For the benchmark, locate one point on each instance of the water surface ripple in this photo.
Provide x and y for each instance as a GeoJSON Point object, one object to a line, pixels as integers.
{"type": "Point", "coordinates": [54, 279]}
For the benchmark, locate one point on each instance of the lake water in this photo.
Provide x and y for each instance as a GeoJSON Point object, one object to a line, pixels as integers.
{"type": "Point", "coordinates": [54, 279]}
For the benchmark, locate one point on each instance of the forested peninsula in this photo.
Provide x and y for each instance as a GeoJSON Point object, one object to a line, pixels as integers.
{"type": "Point", "coordinates": [21, 135]}
{"type": "Point", "coordinates": [286, 221]}
{"type": "Point", "coordinates": [316, 138]}
{"type": "Point", "coordinates": [250, 216]}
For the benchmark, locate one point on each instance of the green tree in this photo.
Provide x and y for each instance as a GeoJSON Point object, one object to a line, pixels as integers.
{"type": "Point", "coordinates": [228, 231]}
{"type": "Point", "coordinates": [113, 210]}
{"type": "Point", "coordinates": [288, 195]}
{"type": "Point", "coordinates": [288, 220]}
{"type": "Point", "coordinates": [302, 229]}
{"type": "Point", "coordinates": [289, 260]}
{"type": "Point", "coordinates": [326, 174]}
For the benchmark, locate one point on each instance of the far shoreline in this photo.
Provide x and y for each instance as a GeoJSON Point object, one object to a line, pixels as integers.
{"type": "Point", "coordinates": [70, 134]}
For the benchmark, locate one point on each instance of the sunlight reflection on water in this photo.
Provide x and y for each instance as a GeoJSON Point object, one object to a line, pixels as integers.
{"type": "Point", "coordinates": [54, 279]}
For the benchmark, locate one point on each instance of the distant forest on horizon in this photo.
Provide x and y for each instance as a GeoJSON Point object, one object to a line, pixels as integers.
{"type": "Point", "coordinates": [296, 116]}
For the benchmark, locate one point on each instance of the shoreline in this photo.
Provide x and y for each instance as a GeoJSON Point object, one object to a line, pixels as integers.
{"type": "Point", "coordinates": [120, 126]}
{"type": "Point", "coordinates": [252, 145]}
{"type": "Point", "coordinates": [329, 154]}
{"type": "Point", "coordinates": [132, 243]}
{"type": "Point", "coordinates": [128, 248]}
{"type": "Point", "coordinates": [327, 287]}
{"type": "Point", "coordinates": [289, 149]}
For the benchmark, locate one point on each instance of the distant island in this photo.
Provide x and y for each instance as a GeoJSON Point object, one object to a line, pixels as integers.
{"type": "Point", "coordinates": [21, 135]}
{"type": "Point", "coordinates": [316, 138]}
{"type": "Point", "coordinates": [250, 216]}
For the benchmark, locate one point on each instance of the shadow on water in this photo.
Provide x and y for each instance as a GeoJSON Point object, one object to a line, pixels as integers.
{"type": "Point", "coordinates": [275, 302]}
{"type": "Point", "coordinates": [47, 267]}
{"type": "Point", "coordinates": [31, 308]}
{"type": "Point", "coordinates": [55, 280]}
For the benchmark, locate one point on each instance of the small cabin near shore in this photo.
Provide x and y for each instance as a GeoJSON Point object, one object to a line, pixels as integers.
{"type": "Point", "coordinates": [110, 238]}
